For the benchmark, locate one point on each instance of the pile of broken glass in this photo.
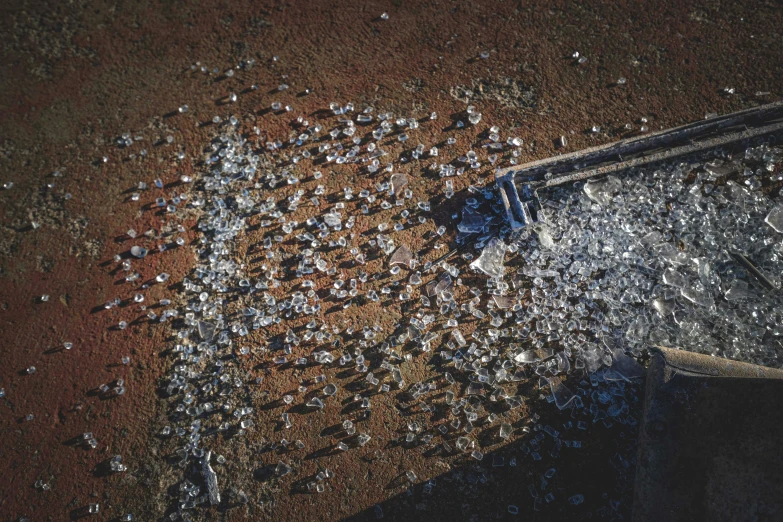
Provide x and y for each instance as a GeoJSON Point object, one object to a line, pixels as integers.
{"type": "Point", "coordinates": [616, 266]}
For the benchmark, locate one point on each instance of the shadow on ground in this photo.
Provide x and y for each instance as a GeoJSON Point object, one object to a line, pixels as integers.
{"type": "Point", "coordinates": [597, 463]}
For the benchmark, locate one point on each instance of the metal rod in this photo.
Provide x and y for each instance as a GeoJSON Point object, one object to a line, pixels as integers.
{"type": "Point", "coordinates": [468, 241]}
{"type": "Point", "coordinates": [755, 272]}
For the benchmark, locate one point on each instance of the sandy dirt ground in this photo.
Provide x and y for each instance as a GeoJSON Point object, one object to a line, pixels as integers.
{"type": "Point", "coordinates": [78, 75]}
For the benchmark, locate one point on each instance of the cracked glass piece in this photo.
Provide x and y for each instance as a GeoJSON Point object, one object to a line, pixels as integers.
{"type": "Point", "coordinates": [624, 367]}
{"type": "Point", "coordinates": [545, 238]}
{"type": "Point", "coordinates": [719, 169]}
{"type": "Point", "coordinates": [398, 182]}
{"type": "Point", "coordinates": [535, 355]}
{"type": "Point", "coordinates": [491, 259]}
{"type": "Point", "coordinates": [603, 191]}
{"type": "Point", "coordinates": [332, 219]}
{"type": "Point", "coordinates": [673, 255]}
{"type": "Point", "coordinates": [674, 278]}
{"type": "Point", "coordinates": [505, 430]}
{"type": "Point", "coordinates": [210, 478]}
{"type": "Point", "coordinates": [440, 285]}
{"type": "Point", "coordinates": [663, 306]}
{"type": "Point", "coordinates": [459, 338]}
{"type": "Point", "coordinates": [402, 256]}
{"type": "Point", "coordinates": [526, 357]}
{"type": "Point", "coordinates": [775, 218]}
{"type": "Point", "coordinates": [637, 329]}
{"type": "Point", "coordinates": [206, 330]}
{"type": "Point", "coordinates": [503, 302]}
{"type": "Point", "coordinates": [282, 469]}
{"type": "Point", "coordinates": [315, 402]}
{"type": "Point", "coordinates": [472, 221]}
{"type": "Point", "coordinates": [563, 364]}
{"type": "Point", "coordinates": [563, 396]}
{"type": "Point", "coordinates": [697, 294]}
{"type": "Point", "coordinates": [535, 272]}
{"type": "Point", "coordinates": [739, 289]}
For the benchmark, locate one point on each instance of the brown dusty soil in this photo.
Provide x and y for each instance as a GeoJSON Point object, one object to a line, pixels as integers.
{"type": "Point", "coordinates": [77, 75]}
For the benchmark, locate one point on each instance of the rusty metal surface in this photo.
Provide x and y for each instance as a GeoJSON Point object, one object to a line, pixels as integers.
{"type": "Point", "coordinates": [77, 75]}
{"type": "Point", "coordinates": [707, 446]}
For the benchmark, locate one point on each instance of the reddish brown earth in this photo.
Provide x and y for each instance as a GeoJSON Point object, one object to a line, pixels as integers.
{"type": "Point", "coordinates": [76, 76]}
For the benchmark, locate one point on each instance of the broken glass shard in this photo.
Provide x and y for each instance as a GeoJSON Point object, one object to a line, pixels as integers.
{"type": "Point", "coordinates": [603, 191]}
{"type": "Point", "coordinates": [472, 221]}
{"type": "Point", "coordinates": [401, 256]}
{"type": "Point", "coordinates": [623, 367]}
{"type": "Point", "coordinates": [437, 286]}
{"type": "Point", "coordinates": [210, 478]}
{"type": "Point", "coordinates": [739, 289]}
{"type": "Point", "coordinates": [697, 294]}
{"type": "Point", "coordinates": [674, 278]}
{"type": "Point", "coordinates": [282, 469]}
{"type": "Point", "coordinates": [206, 331]}
{"type": "Point", "coordinates": [505, 430]}
{"type": "Point", "coordinates": [332, 219]}
{"type": "Point", "coordinates": [535, 355]}
{"type": "Point", "coordinates": [491, 259]}
{"type": "Point", "coordinates": [545, 238]}
{"type": "Point", "coordinates": [398, 183]}
{"type": "Point", "coordinates": [459, 338]}
{"type": "Point", "coordinates": [775, 218]}
{"type": "Point", "coordinates": [563, 396]}
{"type": "Point", "coordinates": [663, 306]}
{"type": "Point", "coordinates": [315, 402]}
{"type": "Point", "coordinates": [502, 301]}
{"type": "Point", "coordinates": [528, 356]}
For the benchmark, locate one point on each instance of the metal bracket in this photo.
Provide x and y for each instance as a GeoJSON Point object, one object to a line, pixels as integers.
{"type": "Point", "coordinates": [519, 185]}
